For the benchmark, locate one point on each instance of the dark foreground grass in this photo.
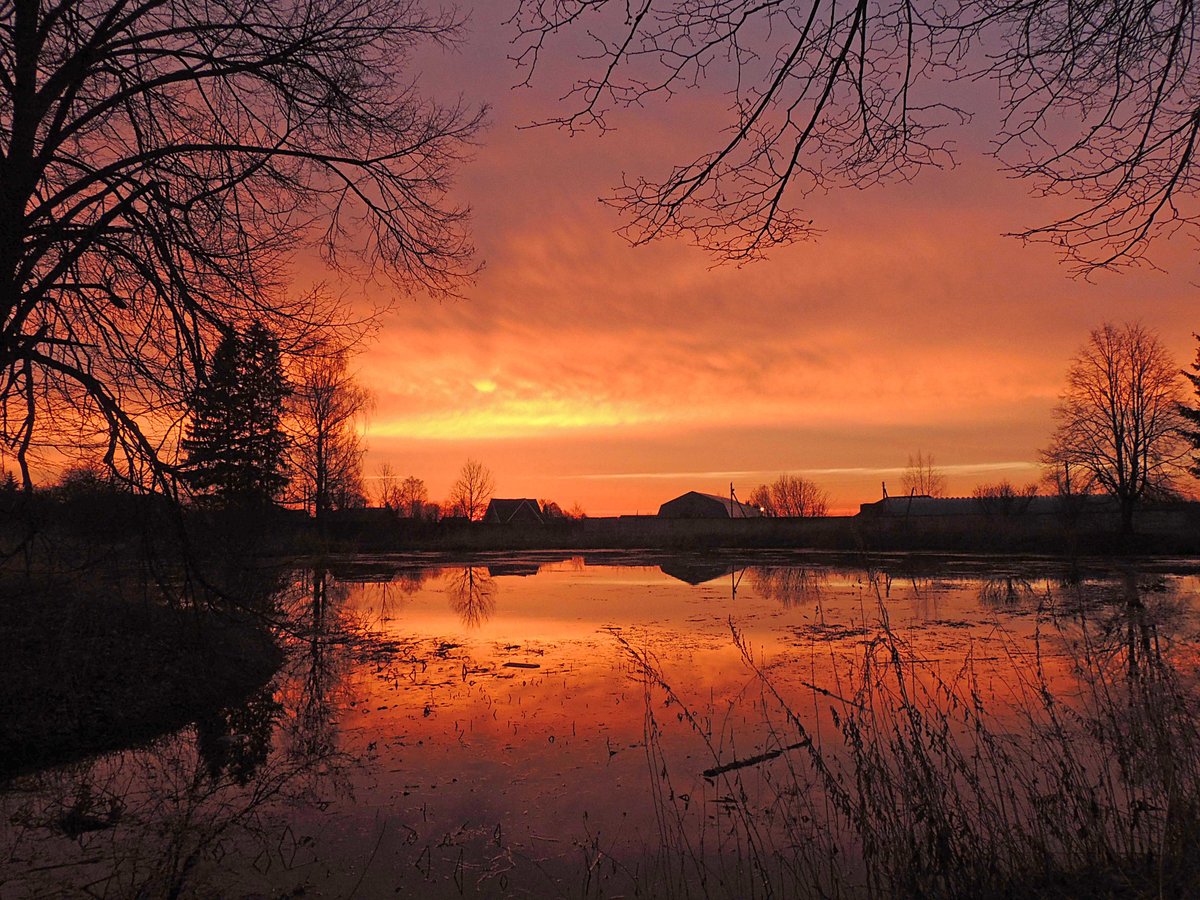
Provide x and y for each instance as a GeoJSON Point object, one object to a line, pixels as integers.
{"type": "Point", "coordinates": [88, 665]}
{"type": "Point", "coordinates": [909, 783]}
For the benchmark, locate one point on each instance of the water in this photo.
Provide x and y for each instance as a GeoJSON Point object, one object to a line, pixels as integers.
{"type": "Point", "coordinates": [543, 725]}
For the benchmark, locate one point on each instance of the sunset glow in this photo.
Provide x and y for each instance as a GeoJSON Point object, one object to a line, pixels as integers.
{"type": "Point", "coordinates": [580, 369]}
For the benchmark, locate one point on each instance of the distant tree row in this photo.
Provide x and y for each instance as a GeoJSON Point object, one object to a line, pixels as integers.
{"type": "Point", "coordinates": [262, 431]}
{"type": "Point", "coordinates": [409, 498]}
{"type": "Point", "coordinates": [469, 496]}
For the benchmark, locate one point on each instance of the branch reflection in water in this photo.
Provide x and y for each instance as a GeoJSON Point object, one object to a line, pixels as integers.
{"type": "Point", "coordinates": [161, 820]}
{"type": "Point", "coordinates": [472, 595]}
{"type": "Point", "coordinates": [788, 585]}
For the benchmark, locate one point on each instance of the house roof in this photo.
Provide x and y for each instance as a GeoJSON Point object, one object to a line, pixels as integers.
{"type": "Point", "coordinates": [505, 509]}
{"type": "Point", "coordinates": [733, 508]}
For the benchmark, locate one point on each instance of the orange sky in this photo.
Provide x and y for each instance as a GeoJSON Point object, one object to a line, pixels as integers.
{"type": "Point", "coordinates": [582, 370]}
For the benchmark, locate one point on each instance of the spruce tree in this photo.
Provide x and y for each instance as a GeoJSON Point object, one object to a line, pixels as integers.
{"type": "Point", "coordinates": [1191, 415]}
{"type": "Point", "coordinates": [235, 444]}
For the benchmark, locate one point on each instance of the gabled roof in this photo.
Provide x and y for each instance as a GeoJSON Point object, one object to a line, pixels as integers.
{"type": "Point", "coordinates": [731, 508]}
{"type": "Point", "coordinates": [519, 508]}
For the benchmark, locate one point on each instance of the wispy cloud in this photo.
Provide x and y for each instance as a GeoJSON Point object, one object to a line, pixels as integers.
{"type": "Point", "coordinates": [956, 469]}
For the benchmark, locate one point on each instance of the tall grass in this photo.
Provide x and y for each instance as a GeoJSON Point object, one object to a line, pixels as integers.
{"type": "Point", "coordinates": [906, 782]}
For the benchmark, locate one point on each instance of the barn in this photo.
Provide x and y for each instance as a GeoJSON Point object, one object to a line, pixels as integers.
{"type": "Point", "coordinates": [519, 511]}
{"type": "Point", "coordinates": [695, 505]}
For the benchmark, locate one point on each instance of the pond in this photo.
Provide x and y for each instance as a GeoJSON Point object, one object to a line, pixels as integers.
{"type": "Point", "coordinates": [621, 724]}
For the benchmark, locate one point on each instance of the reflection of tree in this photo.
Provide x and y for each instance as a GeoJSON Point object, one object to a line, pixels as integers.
{"type": "Point", "coordinates": [155, 822]}
{"type": "Point", "coordinates": [236, 741]}
{"type": "Point", "coordinates": [789, 585]}
{"type": "Point", "coordinates": [473, 595]}
{"type": "Point", "coordinates": [191, 813]}
{"type": "Point", "coordinates": [1004, 590]}
{"type": "Point", "coordinates": [313, 726]}
{"type": "Point", "coordinates": [1128, 635]}
{"type": "Point", "coordinates": [411, 580]}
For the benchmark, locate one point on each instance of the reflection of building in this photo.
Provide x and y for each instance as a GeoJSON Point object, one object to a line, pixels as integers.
{"type": "Point", "coordinates": [363, 572]}
{"type": "Point", "coordinates": [521, 569]}
{"type": "Point", "coordinates": [514, 512]}
{"type": "Point", "coordinates": [696, 572]}
{"type": "Point", "coordinates": [694, 505]}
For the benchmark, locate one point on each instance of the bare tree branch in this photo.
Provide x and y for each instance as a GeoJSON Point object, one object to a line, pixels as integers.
{"type": "Point", "coordinates": [1100, 102]}
{"type": "Point", "coordinates": [162, 160]}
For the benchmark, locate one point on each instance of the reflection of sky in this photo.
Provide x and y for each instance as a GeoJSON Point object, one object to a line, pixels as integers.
{"type": "Point", "coordinates": [912, 323]}
{"type": "Point", "coordinates": [421, 761]}
{"type": "Point", "coordinates": [561, 733]}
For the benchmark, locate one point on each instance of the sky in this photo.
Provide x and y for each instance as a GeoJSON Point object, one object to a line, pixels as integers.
{"type": "Point", "coordinates": [583, 370]}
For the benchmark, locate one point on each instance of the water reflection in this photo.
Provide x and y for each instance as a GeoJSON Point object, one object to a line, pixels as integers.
{"type": "Point", "coordinates": [236, 741]}
{"type": "Point", "coordinates": [166, 819]}
{"type": "Point", "coordinates": [318, 669]}
{"type": "Point", "coordinates": [1005, 590]}
{"type": "Point", "coordinates": [489, 747]}
{"type": "Point", "coordinates": [472, 595]}
{"type": "Point", "coordinates": [789, 585]}
{"type": "Point", "coordinates": [1078, 772]}
{"type": "Point", "coordinates": [696, 573]}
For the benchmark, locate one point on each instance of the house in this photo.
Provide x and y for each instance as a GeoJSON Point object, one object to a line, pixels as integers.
{"type": "Point", "coordinates": [521, 511]}
{"type": "Point", "coordinates": [695, 505]}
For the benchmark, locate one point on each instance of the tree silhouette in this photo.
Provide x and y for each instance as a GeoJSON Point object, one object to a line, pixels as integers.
{"type": "Point", "coordinates": [160, 164]}
{"type": "Point", "coordinates": [1191, 416]}
{"type": "Point", "coordinates": [1118, 419]}
{"type": "Point", "coordinates": [236, 447]}
{"type": "Point", "coordinates": [921, 476]}
{"type": "Point", "coordinates": [471, 492]}
{"type": "Point", "coordinates": [790, 496]}
{"type": "Point", "coordinates": [413, 496]}
{"type": "Point", "coordinates": [326, 449]}
{"type": "Point", "coordinates": [1098, 103]}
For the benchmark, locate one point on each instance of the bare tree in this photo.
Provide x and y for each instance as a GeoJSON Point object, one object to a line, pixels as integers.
{"type": "Point", "coordinates": [922, 477]}
{"type": "Point", "coordinates": [1098, 104]}
{"type": "Point", "coordinates": [1118, 419]}
{"type": "Point", "coordinates": [790, 496]}
{"type": "Point", "coordinates": [413, 497]}
{"type": "Point", "coordinates": [761, 497]}
{"type": "Point", "coordinates": [161, 162]}
{"type": "Point", "coordinates": [326, 409]}
{"type": "Point", "coordinates": [387, 487]}
{"type": "Point", "coordinates": [1004, 498]}
{"type": "Point", "coordinates": [470, 494]}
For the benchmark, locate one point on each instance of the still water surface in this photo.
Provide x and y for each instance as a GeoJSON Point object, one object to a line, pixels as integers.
{"type": "Point", "coordinates": [557, 726]}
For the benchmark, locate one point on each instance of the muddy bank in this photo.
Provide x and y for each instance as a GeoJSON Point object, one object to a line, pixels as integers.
{"type": "Point", "coordinates": [86, 669]}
